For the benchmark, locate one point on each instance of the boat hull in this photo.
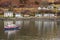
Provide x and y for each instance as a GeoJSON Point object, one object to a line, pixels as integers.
{"type": "Point", "coordinates": [16, 28]}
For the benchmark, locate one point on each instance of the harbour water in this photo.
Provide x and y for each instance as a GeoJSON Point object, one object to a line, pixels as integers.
{"type": "Point", "coordinates": [31, 30]}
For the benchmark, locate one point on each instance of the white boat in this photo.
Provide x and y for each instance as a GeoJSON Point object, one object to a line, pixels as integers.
{"type": "Point", "coordinates": [10, 27]}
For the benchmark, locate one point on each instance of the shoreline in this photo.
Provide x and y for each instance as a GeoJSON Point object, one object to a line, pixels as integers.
{"type": "Point", "coordinates": [31, 18]}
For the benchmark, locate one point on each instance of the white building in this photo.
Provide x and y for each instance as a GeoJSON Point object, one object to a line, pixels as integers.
{"type": "Point", "coordinates": [18, 15]}
{"type": "Point", "coordinates": [49, 15]}
{"type": "Point", "coordinates": [8, 14]}
{"type": "Point", "coordinates": [38, 15]}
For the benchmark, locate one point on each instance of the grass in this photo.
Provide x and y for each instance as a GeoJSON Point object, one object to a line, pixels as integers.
{"type": "Point", "coordinates": [1, 16]}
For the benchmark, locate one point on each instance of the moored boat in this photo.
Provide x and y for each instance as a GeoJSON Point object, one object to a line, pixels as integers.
{"type": "Point", "coordinates": [11, 27]}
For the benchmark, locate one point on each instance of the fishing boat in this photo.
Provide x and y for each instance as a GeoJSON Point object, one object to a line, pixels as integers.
{"type": "Point", "coordinates": [11, 27]}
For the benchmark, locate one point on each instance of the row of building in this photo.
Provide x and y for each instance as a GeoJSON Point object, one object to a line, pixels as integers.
{"type": "Point", "coordinates": [28, 12]}
{"type": "Point", "coordinates": [32, 8]}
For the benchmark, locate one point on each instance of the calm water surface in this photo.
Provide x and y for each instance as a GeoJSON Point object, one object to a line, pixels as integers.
{"type": "Point", "coordinates": [31, 30]}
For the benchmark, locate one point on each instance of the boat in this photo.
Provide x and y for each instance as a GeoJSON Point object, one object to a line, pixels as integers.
{"type": "Point", "coordinates": [11, 27]}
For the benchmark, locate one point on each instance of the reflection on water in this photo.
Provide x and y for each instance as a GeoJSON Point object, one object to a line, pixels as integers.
{"type": "Point", "coordinates": [10, 34]}
{"type": "Point", "coordinates": [7, 22]}
{"type": "Point", "coordinates": [31, 30]}
{"type": "Point", "coordinates": [19, 23]}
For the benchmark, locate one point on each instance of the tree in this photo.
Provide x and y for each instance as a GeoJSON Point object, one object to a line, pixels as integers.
{"type": "Point", "coordinates": [5, 4]}
{"type": "Point", "coordinates": [23, 1]}
{"type": "Point", "coordinates": [44, 3]}
{"type": "Point", "coordinates": [36, 2]}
